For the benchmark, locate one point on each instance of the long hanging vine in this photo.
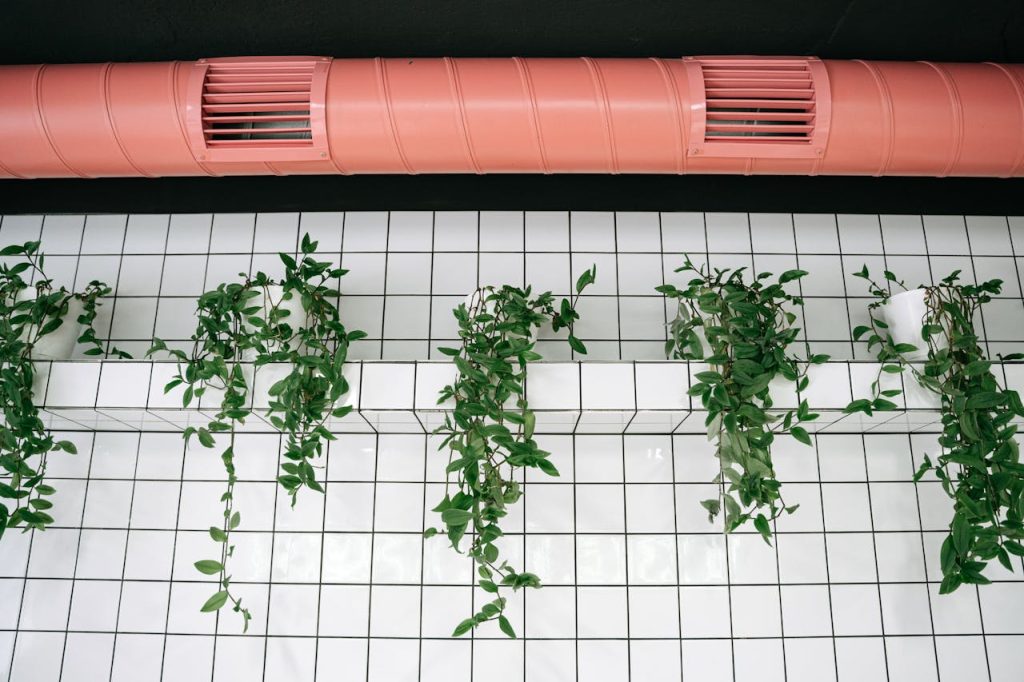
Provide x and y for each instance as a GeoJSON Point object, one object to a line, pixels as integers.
{"type": "Point", "coordinates": [29, 312]}
{"type": "Point", "coordinates": [979, 467]}
{"type": "Point", "coordinates": [249, 324]}
{"type": "Point", "coordinates": [746, 329]}
{"type": "Point", "coordinates": [489, 432]}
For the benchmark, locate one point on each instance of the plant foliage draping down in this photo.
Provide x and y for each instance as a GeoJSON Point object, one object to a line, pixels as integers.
{"type": "Point", "coordinates": [979, 467]}
{"type": "Point", "coordinates": [31, 308]}
{"type": "Point", "coordinates": [241, 325]}
{"type": "Point", "coordinates": [489, 432]}
{"type": "Point", "coordinates": [742, 330]}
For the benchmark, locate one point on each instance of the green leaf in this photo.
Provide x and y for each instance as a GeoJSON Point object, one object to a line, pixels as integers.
{"type": "Point", "coordinates": [215, 602]}
{"type": "Point", "coordinates": [209, 567]}
{"type": "Point", "coordinates": [800, 433]}
{"type": "Point", "coordinates": [456, 517]}
{"type": "Point", "coordinates": [762, 526]}
{"type": "Point", "coordinates": [464, 627]}
{"type": "Point", "coordinates": [577, 345]}
{"type": "Point", "coordinates": [791, 275]}
{"type": "Point", "coordinates": [586, 279]}
{"type": "Point", "coordinates": [984, 400]}
{"type": "Point", "coordinates": [506, 627]}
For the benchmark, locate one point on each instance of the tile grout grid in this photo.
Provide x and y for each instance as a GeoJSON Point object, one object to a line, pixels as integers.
{"type": "Point", "coordinates": [637, 588]}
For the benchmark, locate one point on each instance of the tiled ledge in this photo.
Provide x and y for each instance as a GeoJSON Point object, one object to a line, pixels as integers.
{"type": "Point", "coordinates": [401, 397]}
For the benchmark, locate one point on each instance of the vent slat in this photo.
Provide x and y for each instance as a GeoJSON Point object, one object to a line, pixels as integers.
{"type": "Point", "coordinates": [258, 105]}
{"type": "Point", "coordinates": [752, 101]}
{"type": "Point", "coordinates": [719, 115]}
{"type": "Point", "coordinates": [759, 93]}
{"type": "Point", "coordinates": [754, 127]}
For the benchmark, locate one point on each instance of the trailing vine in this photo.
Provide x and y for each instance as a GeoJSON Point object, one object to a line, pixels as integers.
{"type": "Point", "coordinates": [743, 331]}
{"type": "Point", "coordinates": [243, 327]}
{"type": "Point", "coordinates": [489, 432]}
{"type": "Point", "coordinates": [979, 468]}
{"type": "Point", "coordinates": [29, 312]}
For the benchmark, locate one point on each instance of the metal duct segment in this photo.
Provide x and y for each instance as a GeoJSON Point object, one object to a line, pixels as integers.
{"type": "Point", "coordinates": [315, 115]}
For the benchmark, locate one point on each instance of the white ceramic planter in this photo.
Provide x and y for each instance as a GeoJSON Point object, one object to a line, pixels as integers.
{"type": "Point", "coordinates": [905, 313]}
{"type": "Point", "coordinates": [60, 343]}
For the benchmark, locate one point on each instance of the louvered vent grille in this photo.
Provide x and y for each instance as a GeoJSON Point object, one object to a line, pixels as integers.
{"type": "Point", "coordinates": [771, 102]}
{"type": "Point", "coordinates": [258, 105]}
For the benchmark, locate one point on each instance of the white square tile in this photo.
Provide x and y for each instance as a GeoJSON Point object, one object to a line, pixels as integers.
{"type": "Point", "coordinates": [239, 658]}
{"type": "Point", "coordinates": [394, 611]}
{"type": "Point", "coordinates": [648, 459]}
{"type": "Point", "coordinates": [727, 232]}
{"type": "Point", "coordinates": [408, 273]}
{"type": "Point", "coordinates": [553, 386]}
{"type": "Point", "coordinates": [89, 654]}
{"type": "Point", "coordinates": [189, 232]}
{"type": "Point", "coordinates": [406, 318]}
{"type": "Point", "coordinates": [444, 608]}
{"type": "Point", "coordinates": [399, 507]}
{"type": "Point", "coordinates": [708, 660]}
{"type": "Point", "coordinates": [140, 275]}
{"type": "Point", "coordinates": [905, 609]}
{"type": "Point", "coordinates": [94, 605]}
{"type": "Point", "coordinates": [608, 386]}
{"type": "Point", "coordinates": [763, 659]}
{"type": "Point", "coordinates": [806, 611]}
{"type": "Point", "coordinates": [146, 233]}
{"type": "Point", "coordinates": [61, 233]}
{"type": "Point", "coordinates": [772, 233]}
{"type": "Point", "coordinates": [396, 558]}
{"type": "Point", "coordinates": [551, 613]}
{"type": "Point", "coordinates": [387, 386]}
{"type": "Point", "coordinates": [652, 559]}
{"type": "Point", "coordinates": [638, 231]}
{"type": "Point", "coordinates": [855, 610]}
{"type": "Point", "coordinates": [104, 233]}
{"type": "Point", "coordinates": [810, 660]}
{"type": "Point", "coordinates": [650, 508]}
{"type": "Point", "coordinates": [456, 230]}
{"type": "Point", "coordinates": [346, 557]}
{"type": "Point", "coordinates": [861, 658]}
{"type": "Point", "coordinates": [349, 507]}
{"type": "Point", "coordinates": [705, 611]}
{"type": "Point", "coordinates": [751, 559]}
{"type": "Point", "coordinates": [365, 231]}
{"type": "Point", "coordinates": [601, 612]}
{"type": "Point", "coordinates": [683, 233]}
{"type": "Point", "coordinates": [860, 233]}
{"type": "Point", "coordinates": [325, 228]}
{"type": "Point", "coordinates": [894, 506]}
{"type": "Point", "coordinates": [499, 269]}
{"type": "Point", "coordinates": [846, 507]}
{"type": "Point", "coordinates": [1005, 656]}
{"type": "Point", "coordinates": [107, 504]}
{"type": "Point", "coordinates": [600, 508]}
{"type": "Point", "coordinates": [989, 235]}
{"type": "Point", "coordinates": [756, 612]}
{"type": "Point", "coordinates": [148, 555]}
{"type": "Point", "coordinates": [816, 233]}
{"type": "Point", "coordinates": [946, 234]}
{"type": "Point", "coordinates": [291, 658]}
{"type": "Point", "coordinates": [702, 560]}
{"type": "Point", "coordinates": [410, 231]}
{"type": "Point", "coordinates": [124, 384]}
{"type": "Point", "coordinates": [53, 552]}
{"type": "Point", "coordinates": [851, 557]}
{"type": "Point", "coordinates": [45, 604]}
{"type": "Point", "coordinates": [551, 556]}
{"type": "Point", "coordinates": [548, 272]}
{"type": "Point", "coordinates": [18, 229]}
{"type": "Point", "coordinates": [547, 231]}
{"type": "Point", "coordinates": [143, 607]}
{"type": "Point", "coordinates": [639, 273]}
{"type": "Point", "coordinates": [961, 657]}
{"type": "Point", "coordinates": [344, 610]}
{"type": "Point", "coordinates": [276, 232]}
{"type": "Point", "coordinates": [955, 613]}
{"type": "Point", "coordinates": [137, 658]}
{"type": "Point", "coordinates": [296, 557]}
{"type": "Point", "coordinates": [902, 234]}
{"type": "Point", "coordinates": [1001, 605]}
{"type": "Point", "coordinates": [155, 505]}
{"type": "Point", "coordinates": [600, 559]}
{"type": "Point", "coordinates": [293, 609]}
{"type": "Point", "coordinates": [911, 658]}
{"type": "Point", "coordinates": [454, 273]}
{"type": "Point", "coordinates": [501, 231]}
{"type": "Point", "coordinates": [101, 554]}
{"type": "Point", "coordinates": [592, 231]}
{"type": "Point", "coordinates": [801, 558]}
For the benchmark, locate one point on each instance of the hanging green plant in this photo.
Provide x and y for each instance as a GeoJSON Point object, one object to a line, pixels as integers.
{"type": "Point", "coordinates": [743, 331]}
{"type": "Point", "coordinates": [930, 332]}
{"type": "Point", "coordinates": [290, 330]}
{"type": "Point", "coordinates": [34, 325]}
{"type": "Point", "coordinates": [489, 432]}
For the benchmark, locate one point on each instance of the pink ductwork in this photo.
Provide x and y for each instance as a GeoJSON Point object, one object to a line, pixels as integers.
{"type": "Point", "coordinates": [315, 115]}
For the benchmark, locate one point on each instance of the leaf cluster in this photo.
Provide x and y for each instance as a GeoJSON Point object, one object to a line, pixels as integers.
{"type": "Point", "coordinates": [489, 432]}
{"type": "Point", "coordinates": [979, 466]}
{"type": "Point", "coordinates": [742, 330]}
{"type": "Point", "coordinates": [31, 308]}
{"type": "Point", "coordinates": [242, 325]}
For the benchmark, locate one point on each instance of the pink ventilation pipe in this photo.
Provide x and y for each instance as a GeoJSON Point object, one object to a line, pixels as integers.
{"type": "Point", "coordinates": [315, 115]}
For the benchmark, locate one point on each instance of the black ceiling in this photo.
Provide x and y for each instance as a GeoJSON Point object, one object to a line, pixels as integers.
{"type": "Point", "coordinates": [34, 31]}
{"type": "Point", "coordinates": [54, 31]}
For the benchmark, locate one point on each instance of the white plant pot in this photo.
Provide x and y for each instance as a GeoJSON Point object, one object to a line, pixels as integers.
{"type": "Point", "coordinates": [488, 307]}
{"type": "Point", "coordinates": [905, 313]}
{"type": "Point", "coordinates": [60, 343]}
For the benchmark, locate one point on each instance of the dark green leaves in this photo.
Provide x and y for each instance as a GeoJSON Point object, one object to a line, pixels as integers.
{"type": "Point", "coordinates": [490, 430]}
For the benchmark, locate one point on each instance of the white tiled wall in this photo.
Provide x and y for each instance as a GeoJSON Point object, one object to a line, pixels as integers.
{"type": "Point", "coordinates": [639, 587]}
